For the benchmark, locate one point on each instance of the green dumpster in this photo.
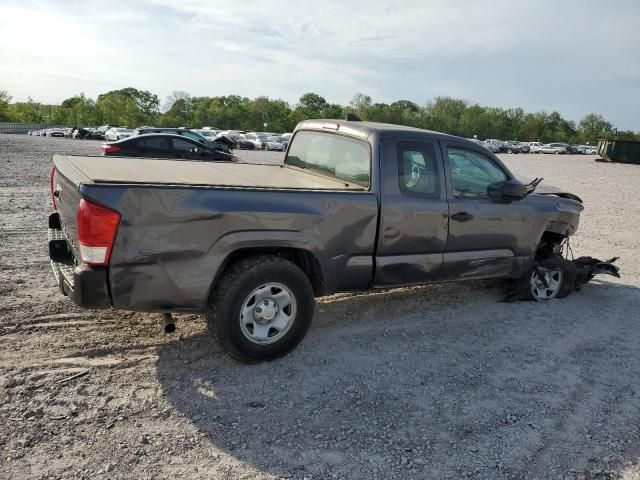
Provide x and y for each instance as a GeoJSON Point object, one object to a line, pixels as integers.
{"type": "Point", "coordinates": [622, 151]}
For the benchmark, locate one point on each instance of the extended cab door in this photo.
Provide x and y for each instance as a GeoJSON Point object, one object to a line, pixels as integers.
{"type": "Point", "coordinates": [487, 237]}
{"type": "Point", "coordinates": [413, 212]}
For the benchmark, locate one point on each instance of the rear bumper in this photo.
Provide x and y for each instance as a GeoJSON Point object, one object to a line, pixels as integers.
{"type": "Point", "coordinates": [86, 286]}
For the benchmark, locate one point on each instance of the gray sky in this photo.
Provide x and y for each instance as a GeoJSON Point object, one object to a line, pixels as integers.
{"type": "Point", "coordinates": [572, 56]}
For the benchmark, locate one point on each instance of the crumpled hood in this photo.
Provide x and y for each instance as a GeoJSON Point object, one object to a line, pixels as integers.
{"type": "Point", "coordinates": [551, 190]}
{"type": "Point", "coordinates": [544, 189]}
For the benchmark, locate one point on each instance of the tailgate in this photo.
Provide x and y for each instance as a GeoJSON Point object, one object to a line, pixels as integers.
{"type": "Point", "coordinates": [66, 195]}
{"type": "Point", "coordinates": [86, 285]}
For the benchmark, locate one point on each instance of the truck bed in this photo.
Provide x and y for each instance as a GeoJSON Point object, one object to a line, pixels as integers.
{"type": "Point", "coordinates": [129, 170]}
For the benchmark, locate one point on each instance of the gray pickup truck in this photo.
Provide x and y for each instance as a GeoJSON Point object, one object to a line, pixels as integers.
{"type": "Point", "coordinates": [355, 206]}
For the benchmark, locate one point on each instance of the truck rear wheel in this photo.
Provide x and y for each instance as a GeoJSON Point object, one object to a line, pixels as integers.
{"type": "Point", "coordinates": [261, 308]}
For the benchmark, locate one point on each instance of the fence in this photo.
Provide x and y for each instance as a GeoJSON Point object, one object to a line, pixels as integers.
{"type": "Point", "coordinates": [26, 127]}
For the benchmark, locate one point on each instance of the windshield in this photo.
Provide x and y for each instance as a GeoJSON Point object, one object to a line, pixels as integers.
{"type": "Point", "coordinates": [340, 157]}
{"type": "Point", "coordinates": [123, 130]}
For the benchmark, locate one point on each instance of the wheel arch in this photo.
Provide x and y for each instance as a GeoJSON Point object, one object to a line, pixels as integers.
{"type": "Point", "coordinates": [305, 259]}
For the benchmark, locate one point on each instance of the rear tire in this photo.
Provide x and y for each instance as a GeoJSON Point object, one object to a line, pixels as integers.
{"type": "Point", "coordinates": [249, 331]}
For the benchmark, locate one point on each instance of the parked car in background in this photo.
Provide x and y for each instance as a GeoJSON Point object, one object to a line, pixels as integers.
{"type": "Point", "coordinates": [568, 147]}
{"type": "Point", "coordinates": [502, 146]}
{"type": "Point", "coordinates": [117, 133]}
{"type": "Point", "coordinates": [273, 143]}
{"type": "Point", "coordinates": [163, 145]}
{"type": "Point", "coordinates": [216, 142]}
{"type": "Point", "coordinates": [241, 142]}
{"type": "Point", "coordinates": [513, 146]}
{"type": "Point", "coordinates": [489, 146]}
{"type": "Point", "coordinates": [284, 139]}
{"type": "Point", "coordinates": [524, 146]}
{"type": "Point", "coordinates": [492, 146]}
{"type": "Point", "coordinates": [588, 149]}
{"type": "Point", "coordinates": [535, 147]}
{"type": "Point", "coordinates": [99, 133]}
{"type": "Point", "coordinates": [56, 132]}
{"type": "Point", "coordinates": [555, 148]}
{"type": "Point", "coordinates": [258, 139]}
{"type": "Point", "coordinates": [210, 135]}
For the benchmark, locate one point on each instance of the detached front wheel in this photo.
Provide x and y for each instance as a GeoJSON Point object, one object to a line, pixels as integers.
{"type": "Point", "coordinates": [552, 277]}
{"type": "Point", "coordinates": [261, 308]}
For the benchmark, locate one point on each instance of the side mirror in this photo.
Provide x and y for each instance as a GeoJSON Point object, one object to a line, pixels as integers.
{"type": "Point", "coordinates": [509, 190]}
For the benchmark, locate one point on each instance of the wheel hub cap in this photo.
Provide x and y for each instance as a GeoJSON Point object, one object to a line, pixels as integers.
{"type": "Point", "coordinates": [268, 313]}
{"type": "Point", "coordinates": [545, 284]}
{"type": "Point", "coordinates": [264, 312]}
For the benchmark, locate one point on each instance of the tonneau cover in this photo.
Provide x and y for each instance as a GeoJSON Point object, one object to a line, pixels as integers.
{"type": "Point", "coordinates": [130, 170]}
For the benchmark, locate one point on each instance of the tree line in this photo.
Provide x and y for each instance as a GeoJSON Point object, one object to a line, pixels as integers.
{"type": "Point", "coordinates": [133, 107]}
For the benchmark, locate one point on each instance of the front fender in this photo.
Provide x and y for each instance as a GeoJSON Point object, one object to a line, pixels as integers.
{"type": "Point", "coordinates": [556, 215]}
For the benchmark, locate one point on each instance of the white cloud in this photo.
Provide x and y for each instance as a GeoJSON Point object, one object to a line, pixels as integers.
{"type": "Point", "coordinates": [574, 56]}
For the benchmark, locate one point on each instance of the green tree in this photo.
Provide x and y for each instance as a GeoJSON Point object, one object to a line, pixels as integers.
{"type": "Point", "coordinates": [31, 112]}
{"type": "Point", "coordinates": [312, 104]}
{"type": "Point", "coordinates": [593, 127]}
{"type": "Point", "coordinates": [127, 106]}
{"type": "Point", "coordinates": [444, 114]}
{"type": "Point", "coordinates": [77, 111]}
{"type": "Point", "coordinates": [5, 99]}
{"type": "Point", "coordinates": [360, 105]}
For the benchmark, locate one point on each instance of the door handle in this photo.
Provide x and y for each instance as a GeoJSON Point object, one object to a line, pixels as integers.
{"type": "Point", "coordinates": [461, 217]}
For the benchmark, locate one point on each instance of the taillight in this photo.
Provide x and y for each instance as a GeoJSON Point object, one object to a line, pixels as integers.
{"type": "Point", "coordinates": [106, 148]}
{"type": "Point", "coordinates": [97, 228]}
{"type": "Point", "coordinates": [51, 187]}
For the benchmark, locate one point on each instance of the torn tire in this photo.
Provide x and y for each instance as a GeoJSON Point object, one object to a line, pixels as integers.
{"type": "Point", "coordinates": [551, 277]}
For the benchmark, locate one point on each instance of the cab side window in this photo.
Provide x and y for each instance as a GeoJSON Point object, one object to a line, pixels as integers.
{"type": "Point", "coordinates": [472, 173]}
{"type": "Point", "coordinates": [418, 169]}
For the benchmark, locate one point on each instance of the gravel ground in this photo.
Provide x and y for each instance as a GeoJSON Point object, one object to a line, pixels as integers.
{"type": "Point", "coordinates": [442, 381]}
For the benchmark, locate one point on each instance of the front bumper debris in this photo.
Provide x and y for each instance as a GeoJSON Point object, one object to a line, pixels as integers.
{"type": "Point", "coordinates": [589, 267]}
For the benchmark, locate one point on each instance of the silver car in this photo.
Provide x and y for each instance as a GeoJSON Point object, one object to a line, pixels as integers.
{"type": "Point", "coordinates": [555, 148]}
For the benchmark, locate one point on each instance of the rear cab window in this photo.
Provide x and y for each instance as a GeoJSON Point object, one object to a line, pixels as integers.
{"type": "Point", "coordinates": [334, 155]}
{"type": "Point", "coordinates": [418, 169]}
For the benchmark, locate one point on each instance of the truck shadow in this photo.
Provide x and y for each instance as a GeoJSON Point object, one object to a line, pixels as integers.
{"type": "Point", "coordinates": [429, 381]}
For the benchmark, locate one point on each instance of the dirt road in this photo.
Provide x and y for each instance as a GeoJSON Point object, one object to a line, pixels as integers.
{"type": "Point", "coordinates": [442, 381]}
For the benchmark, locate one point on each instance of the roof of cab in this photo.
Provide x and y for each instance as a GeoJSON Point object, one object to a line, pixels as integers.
{"type": "Point", "coordinates": [362, 129]}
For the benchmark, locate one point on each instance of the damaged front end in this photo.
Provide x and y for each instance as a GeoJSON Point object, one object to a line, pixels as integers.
{"type": "Point", "coordinates": [554, 276]}
{"type": "Point", "coordinates": [589, 267]}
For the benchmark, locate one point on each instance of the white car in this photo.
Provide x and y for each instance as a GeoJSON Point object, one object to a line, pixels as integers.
{"type": "Point", "coordinates": [535, 147]}
{"type": "Point", "coordinates": [115, 133]}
